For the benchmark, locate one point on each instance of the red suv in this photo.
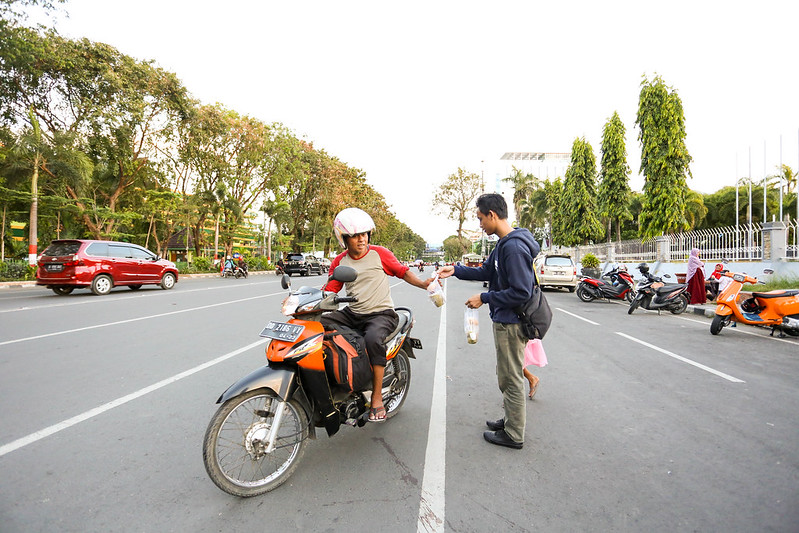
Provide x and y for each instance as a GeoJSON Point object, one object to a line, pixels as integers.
{"type": "Point", "coordinates": [68, 264]}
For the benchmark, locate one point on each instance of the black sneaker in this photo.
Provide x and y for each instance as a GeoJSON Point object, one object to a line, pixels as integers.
{"type": "Point", "coordinates": [496, 426]}
{"type": "Point", "coordinates": [501, 438]}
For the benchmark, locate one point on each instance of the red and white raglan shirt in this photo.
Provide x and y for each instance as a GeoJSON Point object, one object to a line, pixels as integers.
{"type": "Point", "coordinates": [371, 287]}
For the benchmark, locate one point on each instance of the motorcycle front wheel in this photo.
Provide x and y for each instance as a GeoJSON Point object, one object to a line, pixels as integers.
{"type": "Point", "coordinates": [235, 445]}
{"type": "Point", "coordinates": [584, 295]}
{"type": "Point", "coordinates": [718, 324]}
{"type": "Point", "coordinates": [680, 305]}
{"type": "Point", "coordinates": [396, 382]}
{"type": "Point", "coordinates": [630, 296]}
{"type": "Point", "coordinates": [633, 305]}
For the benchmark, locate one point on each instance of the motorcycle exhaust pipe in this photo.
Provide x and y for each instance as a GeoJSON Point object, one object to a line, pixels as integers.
{"type": "Point", "coordinates": [790, 323]}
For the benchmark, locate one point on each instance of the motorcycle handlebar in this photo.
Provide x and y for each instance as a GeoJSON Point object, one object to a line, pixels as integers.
{"type": "Point", "coordinates": [345, 299]}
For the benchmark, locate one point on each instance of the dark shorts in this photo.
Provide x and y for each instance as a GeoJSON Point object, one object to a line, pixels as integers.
{"type": "Point", "coordinates": [374, 327]}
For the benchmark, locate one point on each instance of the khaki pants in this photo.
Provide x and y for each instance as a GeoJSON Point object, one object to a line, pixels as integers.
{"type": "Point", "coordinates": [510, 342]}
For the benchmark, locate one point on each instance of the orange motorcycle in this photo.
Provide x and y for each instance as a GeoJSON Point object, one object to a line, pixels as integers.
{"type": "Point", "coordinates": [778, 309]}
{"type": "Point", "coordinates": [258, 435]}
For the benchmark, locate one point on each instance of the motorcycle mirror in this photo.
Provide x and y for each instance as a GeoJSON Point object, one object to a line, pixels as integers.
{"type": "Point", "coordinates": [285, 281]}
{"type": "Point", "coordinates": [768, 271]}
{"type": "Point", "coordinates": [344, 274]}
{"type": "Point", "coordinates": [666, 275]}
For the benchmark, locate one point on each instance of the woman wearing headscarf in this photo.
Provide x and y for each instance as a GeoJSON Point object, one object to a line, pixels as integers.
{"type": "Point", "coordinates": [695, 277]}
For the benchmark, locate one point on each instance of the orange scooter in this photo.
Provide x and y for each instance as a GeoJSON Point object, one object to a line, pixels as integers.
{"type": "Point", "coordinates": [778, 309]}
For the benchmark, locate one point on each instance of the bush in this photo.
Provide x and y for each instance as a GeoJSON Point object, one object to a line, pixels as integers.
{"type": "Point", "coordinates": [202, 264]}
{"type": "Point", "coordinates": [590, 261]}
{"type": "Point", "coordinates": [259, 263]}
{"type": "Point", "coordinates": [17, 270]}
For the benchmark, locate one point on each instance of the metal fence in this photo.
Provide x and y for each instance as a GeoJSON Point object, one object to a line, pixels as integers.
{"type": "Point", "coordinates": [742, 242]}
{"type": "Point", "coordinates": [792, 239]}
{"type": "Point", "coordinates": [733, 243]}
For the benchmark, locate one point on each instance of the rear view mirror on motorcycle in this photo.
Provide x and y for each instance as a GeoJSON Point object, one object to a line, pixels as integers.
{"type": "Point", "coordinates": [344, 274]}
{"type": "Point", "coordinates": [768, 271]}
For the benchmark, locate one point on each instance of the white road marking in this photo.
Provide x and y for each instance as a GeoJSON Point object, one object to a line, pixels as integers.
{"type": "Point", "coordinates": [577, 316]}
{"type": "Point", "coordinates": [70, 301]}
{"type": "Point", "coordinates": [148, 317]}
{"type": "Point", "coordinates": [432, 504]}
{"type": "Point", "coordinates": [46, 432]}
{"type": "Point", "coordinates": [683, 359]}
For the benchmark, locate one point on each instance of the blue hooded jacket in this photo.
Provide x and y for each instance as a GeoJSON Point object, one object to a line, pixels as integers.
{"type": "Point", "coordinates": [509, 272]}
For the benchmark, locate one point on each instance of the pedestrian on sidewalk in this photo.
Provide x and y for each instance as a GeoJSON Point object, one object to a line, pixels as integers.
{"type": "Point", "coordinates": [695, 277]}
{"type": "Point", "coordinates": [509, 272]}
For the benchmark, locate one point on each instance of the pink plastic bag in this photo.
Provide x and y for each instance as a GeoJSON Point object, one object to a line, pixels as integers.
{"type": "Point", "coordinates": [534, 353]}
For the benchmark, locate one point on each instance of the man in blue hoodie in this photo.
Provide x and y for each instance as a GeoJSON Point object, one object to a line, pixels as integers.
{"type": "Point", "coordinates": [509, 272]}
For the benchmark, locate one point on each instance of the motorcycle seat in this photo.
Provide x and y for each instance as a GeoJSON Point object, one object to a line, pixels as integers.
{"type": "Point", "coordinates": [404, 317]}
{"type": "Point", "coordinates": [665, 289]}
{"type": "Point", "coordinates": [776, 294]}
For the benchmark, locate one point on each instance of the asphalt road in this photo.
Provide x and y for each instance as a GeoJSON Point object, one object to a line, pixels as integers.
{"type": "Point", "coordinates": [641, 423]}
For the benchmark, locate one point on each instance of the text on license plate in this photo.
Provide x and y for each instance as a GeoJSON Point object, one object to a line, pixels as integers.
{"type": "Point", "coordinates": [282, 331]}
{"type": "Point", "coordinates": [54, 268]}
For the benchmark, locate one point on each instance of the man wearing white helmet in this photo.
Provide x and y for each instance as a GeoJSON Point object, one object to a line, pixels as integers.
{"type": "Point", "coordinates": [373, 314]}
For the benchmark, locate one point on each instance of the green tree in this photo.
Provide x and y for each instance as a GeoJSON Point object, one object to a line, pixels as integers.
{"type": "Point", "coordinates": [524, 185]}
{"type": "Point", "coordinates": [456, 196]}
{"type": "Point", "coordinates": [455, 247]}
{"type": "Point", "coordinates": [664, 159]}
{"type": "Point", "coordinates": [614, 187]}
{"type": "Point", "coordinates": [580, 223]}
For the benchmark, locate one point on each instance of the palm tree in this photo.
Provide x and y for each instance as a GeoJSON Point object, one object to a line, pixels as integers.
{"type": "Point", "coordinates": [523, 187]}
{"type": "Point", "coordinates": [277, 211]}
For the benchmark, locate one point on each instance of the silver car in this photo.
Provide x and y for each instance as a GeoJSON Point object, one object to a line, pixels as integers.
{"type": "Point", "coordinates": [556, 270]}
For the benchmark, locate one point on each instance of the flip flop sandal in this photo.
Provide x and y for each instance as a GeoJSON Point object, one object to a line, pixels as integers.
{"type": "Point", "coordinates": [377, 414]}
{"type": "Point", "coordinates": [534, 389]}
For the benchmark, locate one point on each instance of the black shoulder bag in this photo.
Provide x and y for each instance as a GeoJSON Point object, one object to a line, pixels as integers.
{"type": "Point", "coordinates": [535, 315]}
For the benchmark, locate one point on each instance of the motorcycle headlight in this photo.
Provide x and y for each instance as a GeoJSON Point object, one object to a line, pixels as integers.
{"type": "Point", "coordinates": [311, 344]}
{"type": "Point", "coordinates": [289, 306]}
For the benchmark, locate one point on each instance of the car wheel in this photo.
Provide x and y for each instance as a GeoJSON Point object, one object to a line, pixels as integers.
{"type": "Point", "coordinates": [134, 287]}
{"type": "Point", "coordinates": [102, 284]}
{"type": "Point", "coordinates": [572, 289]}
{"type": "Point", "coordinates": [168, 281]}
{"type": "Point", "coordinates": [63, 291]}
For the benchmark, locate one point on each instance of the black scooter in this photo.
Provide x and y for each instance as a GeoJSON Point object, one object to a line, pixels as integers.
{"type": "Point", "coordinates": [653, 293]}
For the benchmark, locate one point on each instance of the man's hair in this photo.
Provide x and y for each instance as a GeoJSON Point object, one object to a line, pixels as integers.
{"type": "Point", "coordinates": [493, 202]}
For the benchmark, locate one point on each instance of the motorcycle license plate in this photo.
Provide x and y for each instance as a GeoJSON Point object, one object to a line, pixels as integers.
{"type": "Point", "coordinates": [282, 331]}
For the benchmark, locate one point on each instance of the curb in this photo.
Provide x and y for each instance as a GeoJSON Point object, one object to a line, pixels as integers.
{"type": "Point", "coordinates": [25, 284]}
{"type": "Point", "coordinates": [703, 311]}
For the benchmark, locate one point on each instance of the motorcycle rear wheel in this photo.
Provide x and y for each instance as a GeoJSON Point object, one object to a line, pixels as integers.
{"type": "Point", "coordinates": [680, 305]}
{"type": "Point", "coordinates": [718, 324]}
{"type": "Point", "coordinates": [584, 295]}
{"type": "Point", "coordinates": [397, 379]}
{"type": "Point", "coordinates": [234, 446]}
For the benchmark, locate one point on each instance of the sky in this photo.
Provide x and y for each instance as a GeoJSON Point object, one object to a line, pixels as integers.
{"type": "Point", "coordinates": [411, 91]}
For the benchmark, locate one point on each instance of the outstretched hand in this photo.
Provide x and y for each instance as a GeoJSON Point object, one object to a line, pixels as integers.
{"type": "Point", "coordinates": [446, 271]}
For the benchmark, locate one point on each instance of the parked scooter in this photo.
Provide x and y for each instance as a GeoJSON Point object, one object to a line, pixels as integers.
{"type": "Point", "coordinates": [621, 287]}
{"type": "Point", "coordinates": [778, 309]}
{"type": "Point", "coordinates": [652, 293]}
{"type": "Point", "coordinates": [257, 437]}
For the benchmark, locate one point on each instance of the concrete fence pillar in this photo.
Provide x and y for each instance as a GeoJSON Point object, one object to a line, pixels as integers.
{"type": "Point", "coordinates": [663, 249]}
{"type": "Point", "coordinates": [774, 241]}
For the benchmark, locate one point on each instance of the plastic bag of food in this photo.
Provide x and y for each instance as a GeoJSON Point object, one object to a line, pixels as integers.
{"type": "Point", "coordinates": [435, 292]}
{"type": "Point", "coordinates": [470, 325]}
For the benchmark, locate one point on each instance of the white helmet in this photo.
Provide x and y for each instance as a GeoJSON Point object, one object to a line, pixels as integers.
{"type": "Point", "coordinates": [352, 221]}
